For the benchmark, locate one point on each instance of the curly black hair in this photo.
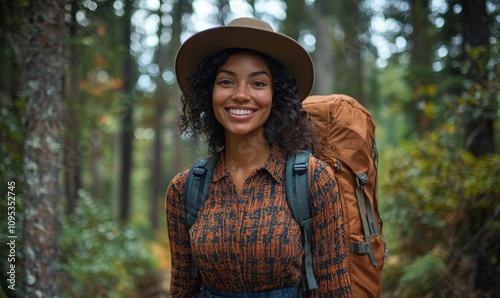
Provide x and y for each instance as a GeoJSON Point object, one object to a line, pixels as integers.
{"type": "Point", "coordinates": [288, 124]}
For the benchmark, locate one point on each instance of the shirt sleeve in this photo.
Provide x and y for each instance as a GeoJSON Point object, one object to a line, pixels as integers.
{"type": "Point", "coordinates": [182, 283]}
{"type": "Point", "coordinates": [329, 241]}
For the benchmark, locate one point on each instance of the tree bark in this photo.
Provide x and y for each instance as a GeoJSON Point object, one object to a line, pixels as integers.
{"type": "Point", "coordinates": [324, 49]}
{"type": "Point", "coordinates": [479, 131]}
{"type": "Point", "coordinates": [422, 55]}
{"type": "Point", "coordinates": [126, 135]}
{"type": "Point", "coordinates": [479, 134]}
{"type": "Point", "coordinates": [179, 11]}
{"type": "Point", "coordinates": [42, 148]}
{"type": "Point", "coordinates": [352, 29]}
{"type": "Point", "coordinates": [159, 105]}
{"type": "Point", "coordinates": [72, 157]}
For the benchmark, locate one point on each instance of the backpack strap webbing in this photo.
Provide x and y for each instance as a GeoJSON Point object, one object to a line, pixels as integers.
{"type": "Point", "coordinates": [367, 219]}
{"type": "Point", "coordinates": [196, 190]}
{"type": "Point", "coordinates": [298, 196]}
{"type": "Point", "coordinates": [375, 163]}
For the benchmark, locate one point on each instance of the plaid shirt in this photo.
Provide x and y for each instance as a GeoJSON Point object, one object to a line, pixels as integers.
{"type": "Point", "coordinates": [250, 241]}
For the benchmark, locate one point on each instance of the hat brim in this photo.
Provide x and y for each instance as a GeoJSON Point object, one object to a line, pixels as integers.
{"type": "Point", "coordinates": [284, 49]}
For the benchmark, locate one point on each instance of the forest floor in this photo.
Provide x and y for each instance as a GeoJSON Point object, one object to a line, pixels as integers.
{"type": "Point", "coordinates": [157, 284]}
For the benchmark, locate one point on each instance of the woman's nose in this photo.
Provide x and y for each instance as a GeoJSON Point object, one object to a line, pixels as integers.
{"type": "Point", "coordinates": [241, 94]}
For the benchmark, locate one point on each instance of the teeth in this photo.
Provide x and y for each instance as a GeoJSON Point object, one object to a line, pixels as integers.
{"type": "Point", "coordinates": [240, 112]}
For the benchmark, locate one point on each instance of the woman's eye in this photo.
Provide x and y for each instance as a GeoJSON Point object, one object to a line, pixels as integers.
{"type": "Point", "coordinates": [224, 82]}
{"type": "Point", "coordinates": [259, 84]}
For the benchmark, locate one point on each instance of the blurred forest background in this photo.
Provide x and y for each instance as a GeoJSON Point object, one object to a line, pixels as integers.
{"type": "Point", "coordinates": [88, 111]}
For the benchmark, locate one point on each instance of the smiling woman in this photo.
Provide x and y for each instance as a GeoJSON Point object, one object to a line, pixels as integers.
{"type": "Point", "coordinates": [242, 90]}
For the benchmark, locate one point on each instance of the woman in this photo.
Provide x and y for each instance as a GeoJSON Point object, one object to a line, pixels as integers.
{"type": "Point", "coordinates": [242, 89]}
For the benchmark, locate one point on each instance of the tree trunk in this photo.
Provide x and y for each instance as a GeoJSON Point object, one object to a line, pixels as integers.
{"type": "Point", "coordinates": [179, 11]}
{"type": "Point", "coordinates": [72, 167]}
{"type": "Point", "coordinates": [159, 105]}
{"type": "Point", "coordinates": [72, 157]}
{"type": "Point", "coordinates": [422, 55]}
{"type": "Point", "coordinates": [479, 136]}
{"type": "Point", "coordinates": [95, 162]}
{"type": "Point", "coordinates": [324, 50]}
{"type": "Point", "coordinates": [351, 24]}
{"type": "Point", "coordinates": [126, 134]}
{"type": "Point", "coordinates": [42, 149]}
{"type": "Point", "coordinates": [479, 131]}
{"type": "Point", "coordinates": [156, 165]}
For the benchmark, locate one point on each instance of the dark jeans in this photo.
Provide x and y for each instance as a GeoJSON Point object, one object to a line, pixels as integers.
{"type": "Point", "coordinates": [207, 292]}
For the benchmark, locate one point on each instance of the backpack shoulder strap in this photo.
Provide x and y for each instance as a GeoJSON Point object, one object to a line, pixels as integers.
{"type": "Point", "coordinates": [299, 200]}
{"type": "Point", "coordinates": [196, 190]}
{"type": "Point", "coordinates": [196, 187]}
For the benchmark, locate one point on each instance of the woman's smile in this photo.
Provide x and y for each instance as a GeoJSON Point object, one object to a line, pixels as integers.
{"type": "Point", "coordinates": [240, 112]}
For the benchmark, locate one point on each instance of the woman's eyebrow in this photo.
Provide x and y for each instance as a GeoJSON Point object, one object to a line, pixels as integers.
{"type": "Point", "coordinates": [260, 72]}
{"type": "Point", "coordinates": [253, 74]}
{"type": "Point", "coordinates": [228, 72]}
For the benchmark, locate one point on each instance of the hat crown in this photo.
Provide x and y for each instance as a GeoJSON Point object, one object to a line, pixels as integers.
{"type": "Point", "coordinates": [250, 23]}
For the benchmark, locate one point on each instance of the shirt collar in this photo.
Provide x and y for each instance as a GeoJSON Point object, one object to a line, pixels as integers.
{"type": "Point", "coordinates": [274, 165]}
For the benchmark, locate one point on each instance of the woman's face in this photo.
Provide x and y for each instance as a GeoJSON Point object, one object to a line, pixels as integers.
{"type": "Point", "coordinates": [242, 95]}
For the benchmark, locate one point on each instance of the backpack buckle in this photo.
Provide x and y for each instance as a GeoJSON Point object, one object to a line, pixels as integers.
{"type": "Point", "coordinates": [199, 171]}
{"type": "Point", "coordinates": [338, 165]}
{"type": "Point", "coordinates": [360, 248]}
{"type": "Point", "coordinates": [300, 168]}
{"type": "Point", "coordinates": [361, 179]}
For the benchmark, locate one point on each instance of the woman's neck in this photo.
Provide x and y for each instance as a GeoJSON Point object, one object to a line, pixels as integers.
{"type": "Point", "coordinates": [246, 153]}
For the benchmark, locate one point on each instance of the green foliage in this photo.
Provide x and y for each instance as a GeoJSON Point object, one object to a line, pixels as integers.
{"type": "Point", "coordinates": [481, 97]}
{"type": "Point", "coordinates": [434, 177]}
{"type": "Point", "coordinates": [422, 275]}
{"type": "Point", "coordinates": [434, 183]}
{"type": "Point", "coordinates": [392, 113]}
{"type": "Point", "coordinates": [99, 257]}
{"type": "Point", "coordinates": [11, 170]}
{"type": "Point", "coordinates": [440, 197]}
{"type": "Point", "coordinates": [12, 135]}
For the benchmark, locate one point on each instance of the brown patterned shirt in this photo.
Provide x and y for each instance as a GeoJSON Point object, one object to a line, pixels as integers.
{"type": "Point", "coordinates": [250, 242]}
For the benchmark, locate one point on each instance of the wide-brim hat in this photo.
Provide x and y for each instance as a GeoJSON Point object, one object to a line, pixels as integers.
{"type": "Point", "coordinates": [246, 33]}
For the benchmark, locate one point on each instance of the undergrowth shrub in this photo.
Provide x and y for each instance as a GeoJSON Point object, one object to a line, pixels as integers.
{"type": "Point", "coordinates": [436, 188]}
{"type": "Point", "coordinates": [100, 257]}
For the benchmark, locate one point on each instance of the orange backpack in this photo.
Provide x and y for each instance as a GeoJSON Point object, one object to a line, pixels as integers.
{"type": "Point", "coordinates": [347, 134]}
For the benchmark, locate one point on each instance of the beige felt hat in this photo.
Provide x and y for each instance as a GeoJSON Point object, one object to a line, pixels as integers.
{"type": "Point", "coordinates": [246, 33]}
